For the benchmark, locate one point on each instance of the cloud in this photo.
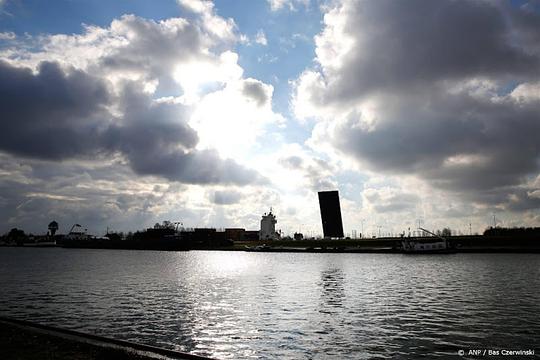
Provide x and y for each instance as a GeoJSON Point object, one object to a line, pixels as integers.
{"type": "Point", "coordinates": [55, 115]}
{"type": "Point", "coordinates": [445, 91]}
{"type": "Point", "coordinates": [126, 46]}
{"type": "Point", "coordinates": [388, 200]}
{"type": "Point", "coordinates": [159, 54]}
{"type": "Point", "coordinates": [260, 38]}
{"type": "Point", "coordinates": [388, 46]}
{"type": "Point", "coordinates": [316, 173]}
{"type": "Point", "coordinates": [221, 28]}
{"type": "Point", "coordinates": [197, 6]}
{"type": "Point", "coordinates": [117, 114]}
{"type": "Point", "coordinates": [235, 119]}
{"type": "Point", "coordinates": [157, 140]}
{"type": "Point", "coordinates": [7, 35]}
{"type": "Point", "coordinates": [526, 93]}
{"type": "Point", "coordinates": [445, 142]}
{"type": "Point", "coordinates": [258, 91]}
{"type": "Point", "coordinates": [226, 197]}
{"type": "Point", "coordinates": [52, 114]}
{"type": "Point", "coordinates": [292, 162]}
{"type": "Point", "coordinates": [107, 194]}
{"type": "Point", "coordinates": [101, 195]}
{"type": "Point", "coordinates": [276, 5]}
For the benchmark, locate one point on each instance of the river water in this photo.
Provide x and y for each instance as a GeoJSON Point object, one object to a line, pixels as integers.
{"type": "Point", "coordinates": [281, 305]}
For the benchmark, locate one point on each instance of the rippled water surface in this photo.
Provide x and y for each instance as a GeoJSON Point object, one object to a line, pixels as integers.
{"type": "Point", "coordinates": [281, 305]}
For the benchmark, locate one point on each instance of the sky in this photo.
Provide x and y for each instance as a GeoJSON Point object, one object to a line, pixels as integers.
{"type": "Point", "coordinates": [120, 114]}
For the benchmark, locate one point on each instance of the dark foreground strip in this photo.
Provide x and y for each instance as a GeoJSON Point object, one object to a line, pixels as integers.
{"type": "Point", "coordinates": [140, 350]}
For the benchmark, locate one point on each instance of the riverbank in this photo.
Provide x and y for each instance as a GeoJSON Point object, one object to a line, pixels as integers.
{"type": "Point", "coordinates": [21, 340]}
{"type": "Point", "coordinates": [463, 244]}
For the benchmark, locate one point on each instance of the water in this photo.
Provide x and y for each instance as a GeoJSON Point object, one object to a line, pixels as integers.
{"type": "Point", "coordinates": [281, 305]}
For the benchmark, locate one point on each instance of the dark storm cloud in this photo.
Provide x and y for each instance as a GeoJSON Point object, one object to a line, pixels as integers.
{"type": "Point", "coordinates": [525, 23]}
{"type": "Point", "coordinates": [226, 197]}
{"type": "Point", "coordinates": [509, 198]}
{"type": "Point", "coordinates": [457, 142]}
{"type": "Point", "coordinates": [59, 115]}
{"type": "Point", "coordinates": [51, 114]}
{"type": "Point", "coordinates": [197, 167]}
{"type": "Point", "coordinates": [400, 44]}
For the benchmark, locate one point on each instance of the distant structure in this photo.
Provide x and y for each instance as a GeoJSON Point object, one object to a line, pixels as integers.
{"type": "Point", "coordinates": [251, 235]}
{"type": "Point", "coordinates": [268, 227]}
{"type": "Point", "coordinates": [235, 234]}
{"type": "Point", "coordinates": [53, 227]}
{"type": "Point", "coordinates": [426, 245]}
{"type": "Point", "coordinates": [331, 214]}
{"type": "Point", "coordinates": [77, 232]}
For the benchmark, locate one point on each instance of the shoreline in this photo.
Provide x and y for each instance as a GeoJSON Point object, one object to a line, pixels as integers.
{"type": "Point", "coordinates": [21, 339]}
{"type": "Point", "coordinates": [496, 240]}
{"type": "Point", "coordinates": [316, 250]}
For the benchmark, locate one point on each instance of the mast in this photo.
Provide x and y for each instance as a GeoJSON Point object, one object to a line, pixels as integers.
{"type": "Point", "coordinates": [429, 232]}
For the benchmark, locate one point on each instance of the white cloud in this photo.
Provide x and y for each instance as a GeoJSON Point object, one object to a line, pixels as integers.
{"type": "Point", "coordinates": [197, 6]}
{"type": "Point", "coordinates": [308, 95]}
{"type": "Point", "coordinates": [289, 4]}
{"type": "Point", "coordinates": [8, 35]}
{"type": "Point", "coordinates": [260, 38]}
{"type": "Point", "coordinates": [232, 120]}
{"type": "Point", "coordinates": [221, 28]}
{"type": "Point", "coordinates": [526, 93]}
{"type": "Point", "coordinates": [199, 77]}
{"type": "Point", "coordinates": [122, 50]}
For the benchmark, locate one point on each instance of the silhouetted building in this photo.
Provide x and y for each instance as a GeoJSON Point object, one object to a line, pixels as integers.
{"type": "Point", "coordinates": [205, 236]}
{"type": "Point", "coordinates": [251, 235]}
{"type": "Point", "coordinates": [330, 213]}
{"type": "Point", "coordinates": [235, 234]}
{"type": "Point", "coordinates": [201, 238]}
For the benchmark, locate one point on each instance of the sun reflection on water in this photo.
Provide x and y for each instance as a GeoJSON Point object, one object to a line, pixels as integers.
{"type": "Point", "coordinates": [225, 262]}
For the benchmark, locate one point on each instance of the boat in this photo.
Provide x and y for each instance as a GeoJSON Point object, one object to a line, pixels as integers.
{"type": "Point", "coordinates": [439, 245]}
{"type": "Point", "coordinates": [78, 233]}
{"type": "Point", "coordinates": [262, 247]}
